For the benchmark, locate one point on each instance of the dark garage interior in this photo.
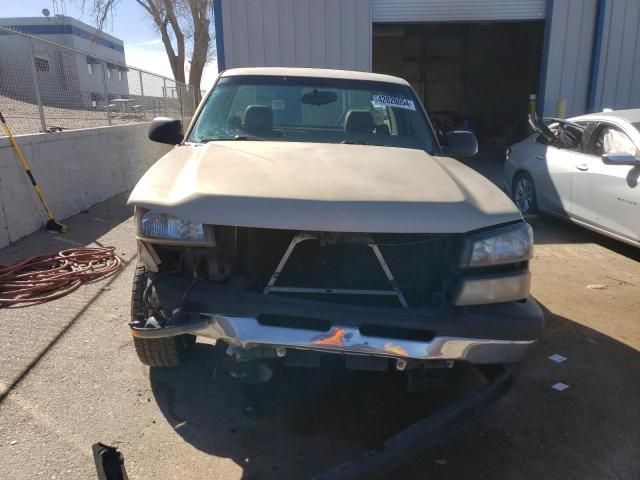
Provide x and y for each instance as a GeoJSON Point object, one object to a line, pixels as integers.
{"type": "Point", "coordinates": [475, 76]}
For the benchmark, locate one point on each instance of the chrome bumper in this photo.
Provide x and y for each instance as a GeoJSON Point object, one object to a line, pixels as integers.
{"type": "Point", "coordinates": [248, 332]}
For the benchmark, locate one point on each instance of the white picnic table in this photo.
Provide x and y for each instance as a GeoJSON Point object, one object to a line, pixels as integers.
{"type": "Point", "coordinates": [123, 102]}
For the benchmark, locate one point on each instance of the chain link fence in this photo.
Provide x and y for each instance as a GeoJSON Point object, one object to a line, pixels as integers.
{"type": "Point", "coordinates": [46, 87]}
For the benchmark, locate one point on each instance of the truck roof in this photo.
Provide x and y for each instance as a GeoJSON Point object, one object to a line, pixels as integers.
{"type": "Point", "coordinates": [314, 72]}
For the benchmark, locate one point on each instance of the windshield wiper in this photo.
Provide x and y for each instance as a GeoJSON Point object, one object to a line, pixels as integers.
{"type": "Point", "coordinates": [244, 136]}
{"type": "Point", "coordinates": [353, 142]}
{"type": "Point", "coordinates": [237, 137]}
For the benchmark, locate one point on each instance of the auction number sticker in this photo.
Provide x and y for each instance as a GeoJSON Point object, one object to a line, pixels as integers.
{"type": "Point", "coordinates": [389, 101]}
{"type": "Point", "coordinates": [277, 104]}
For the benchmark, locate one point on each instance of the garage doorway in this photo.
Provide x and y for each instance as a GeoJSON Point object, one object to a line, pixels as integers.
{"type": "Point", "coordinates": [475, 76]}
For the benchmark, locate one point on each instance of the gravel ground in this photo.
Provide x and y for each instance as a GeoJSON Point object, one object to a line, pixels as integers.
{"type": "Point", "coordinates": [23, 117]}
{"type": "Point", "coordinates": [71, 378]}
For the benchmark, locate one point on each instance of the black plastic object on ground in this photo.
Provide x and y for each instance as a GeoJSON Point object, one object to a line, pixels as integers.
{"type": "Point", "coordinates": [109, 462]}
{"type": "Point", "coordinates": [424, 434]}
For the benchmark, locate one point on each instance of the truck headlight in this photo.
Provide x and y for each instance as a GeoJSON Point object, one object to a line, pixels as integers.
{"type": "Point", "coordinates": [170, 229]}
{"type": "Point", "coordinates": [507, 245]}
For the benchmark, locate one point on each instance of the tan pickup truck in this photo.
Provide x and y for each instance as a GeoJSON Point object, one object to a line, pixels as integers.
{"type": "Point", "coordinates": [309, 212]}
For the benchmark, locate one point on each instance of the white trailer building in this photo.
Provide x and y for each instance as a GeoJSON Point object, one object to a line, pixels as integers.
{"type": "Point", "coordinates": [66, 78]}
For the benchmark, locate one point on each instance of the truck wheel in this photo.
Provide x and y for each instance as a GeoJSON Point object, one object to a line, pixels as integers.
{"type": "Point", "coordinates": [524, 193]}
{"type": "Point", "coordinates": [164, 352]}
{"type": "Point", "coordinates": [157, 352]}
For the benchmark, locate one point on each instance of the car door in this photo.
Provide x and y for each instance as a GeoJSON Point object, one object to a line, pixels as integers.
{"type": "Point", "coordinates": [604, 195]}
{"type": "Point", "coordinates": [554, 193]}
{"type": "Point", "coordinates": [554, 169]}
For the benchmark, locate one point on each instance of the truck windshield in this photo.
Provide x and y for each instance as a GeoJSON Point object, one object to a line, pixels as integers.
{"type": "Point", "coordinates": [300, 109]}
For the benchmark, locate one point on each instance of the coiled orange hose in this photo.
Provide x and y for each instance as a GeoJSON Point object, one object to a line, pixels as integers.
{"type": "Point", "coordinates": [48, 276]}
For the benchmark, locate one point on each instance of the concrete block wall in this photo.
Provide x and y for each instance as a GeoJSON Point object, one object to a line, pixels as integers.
{"type": "Point", "coordinates": [75, 169]}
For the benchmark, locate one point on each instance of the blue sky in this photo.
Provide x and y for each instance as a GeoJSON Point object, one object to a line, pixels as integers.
{"type": "Point", "coordinates": [130, 23]}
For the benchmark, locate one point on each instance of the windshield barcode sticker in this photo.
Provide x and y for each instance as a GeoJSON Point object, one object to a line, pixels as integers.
{"type": "Point", "coordinates": [277, 104]}
{"type": "Point", "coordinates": [389, 101]}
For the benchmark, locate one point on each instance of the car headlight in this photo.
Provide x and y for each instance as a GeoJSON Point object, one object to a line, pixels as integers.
{"type": "Point", "coordinates": [168, 228]}
{"type": "Point", "coordinates": [507, 245]}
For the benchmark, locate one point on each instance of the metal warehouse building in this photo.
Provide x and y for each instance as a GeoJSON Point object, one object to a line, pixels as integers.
{"type": "Point", "coordinates": [477, 59]}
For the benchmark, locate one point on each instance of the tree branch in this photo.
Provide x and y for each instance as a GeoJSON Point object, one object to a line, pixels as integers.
{"type": "Point", "coordinates": [177, 21]}
{"type": "Point", "coordinates": [143, 5]}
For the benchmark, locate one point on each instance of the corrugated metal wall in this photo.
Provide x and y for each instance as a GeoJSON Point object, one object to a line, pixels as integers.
{"type": "Point", "coordinates": [570, 38]}
{"type": "Point", "coordinates": [591, 58]}
{"type": "Point", "coordinates": [617, 78]}
{"type": "Point", "coordinates": [300, 33]}
{"type": "Point", "coordinates": [456, 10]}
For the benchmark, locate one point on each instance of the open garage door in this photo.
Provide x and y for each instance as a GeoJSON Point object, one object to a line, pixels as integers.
{"type": "Point", "coordinates": [457, 10]}
{"type": "Point", "coordinates": [472, 75]}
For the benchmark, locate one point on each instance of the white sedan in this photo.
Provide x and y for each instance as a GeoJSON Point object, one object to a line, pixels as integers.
{"type": "Point", "coordinates": [587, 171]}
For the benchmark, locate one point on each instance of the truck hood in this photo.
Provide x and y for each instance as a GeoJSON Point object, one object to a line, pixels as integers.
{"type": "Point", "coordinates": [322, 187]}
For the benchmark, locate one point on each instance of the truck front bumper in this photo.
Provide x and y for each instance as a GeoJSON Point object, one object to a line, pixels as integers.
{"type": "Point", "coordinates": [483, 334]}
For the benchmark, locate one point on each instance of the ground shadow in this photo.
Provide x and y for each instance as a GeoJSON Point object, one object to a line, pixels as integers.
{"type": "Point", "coordinates": [489, 164]}
{"type": "Point", "coordinates": [84, 229]}
{"type": "Point", "coordinates": [305, 421]}
{"type": "Point", "coordinates": [300, 423]}
{"type": "Point", "coordinates": [552, 230]}
{"type": "Point", "coordinates": [589, 430]}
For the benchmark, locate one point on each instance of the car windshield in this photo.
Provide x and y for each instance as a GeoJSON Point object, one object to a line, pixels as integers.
{"type": "Point", "coordinates": [300, 109]}
{"type": "Point", "coordinates": [637, 125]}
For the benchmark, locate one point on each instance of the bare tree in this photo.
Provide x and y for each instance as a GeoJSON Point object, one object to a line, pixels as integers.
{"type": "Point", "coordinates": [201, 14]}
{"type": "Point", "coordinates": [178, 21]}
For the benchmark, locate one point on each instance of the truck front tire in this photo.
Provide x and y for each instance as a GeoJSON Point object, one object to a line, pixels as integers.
{"type": "Point", "coordinates": [157, 352]}
{"type": "Point", "coordinates": [164, 352]}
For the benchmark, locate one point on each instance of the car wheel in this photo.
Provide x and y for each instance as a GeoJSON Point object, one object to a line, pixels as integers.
{"type": "Point", "coordinates": [524, 193]}
{"type": "Point", "coordinates": [156, 352]}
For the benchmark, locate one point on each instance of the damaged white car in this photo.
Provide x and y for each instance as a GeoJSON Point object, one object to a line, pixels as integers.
{"type": "Point", "coordinates": [310, 212]}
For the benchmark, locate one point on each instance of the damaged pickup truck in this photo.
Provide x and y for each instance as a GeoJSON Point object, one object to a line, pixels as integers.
{"type": "Point", "coordinates": [310, 212]}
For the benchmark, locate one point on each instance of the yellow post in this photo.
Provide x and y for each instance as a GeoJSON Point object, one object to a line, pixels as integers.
{"type": "Point", "coordinates": [532, 103]}
{"type": "Point", "coordinates": [51, 224]}
{"type": "Point", "coordinates": [561, 110]}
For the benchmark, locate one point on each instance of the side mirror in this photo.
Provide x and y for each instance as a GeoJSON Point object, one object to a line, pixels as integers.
{"type": "Point", "coordinates": [620, 159]}
{"type": "Point", "coordinates": [461, 143]}
{"type": "Point", "coordinates": [166, 130]}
